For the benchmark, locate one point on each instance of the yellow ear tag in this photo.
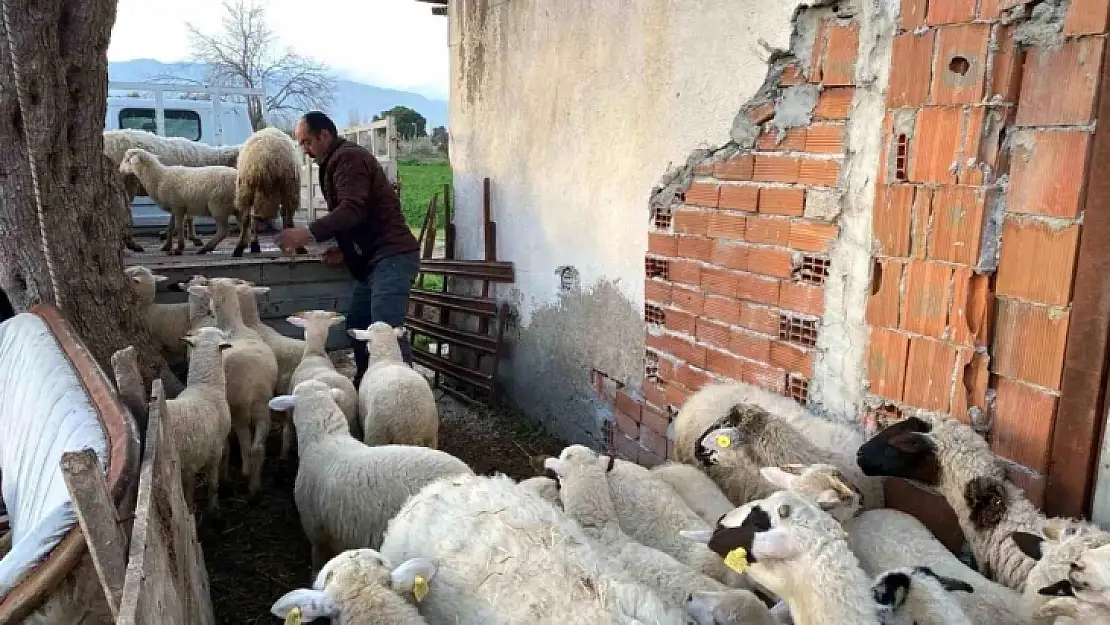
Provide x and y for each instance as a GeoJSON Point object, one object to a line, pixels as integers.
{"type": "Point", "coordinates": [419, 588]}
{"type": "Point", "coordinates": [737, 559]}
{"type": "Point", "coordinates": [724, 440]}
{"type": "Point", "coordinates": [294, 617]}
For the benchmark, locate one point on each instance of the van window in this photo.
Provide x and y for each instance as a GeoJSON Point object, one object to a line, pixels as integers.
{"type": "Point", "coordinates": [179, 122]}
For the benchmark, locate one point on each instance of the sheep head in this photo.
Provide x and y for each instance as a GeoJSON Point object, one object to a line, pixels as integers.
{"type": "Point", "coordinates": [893, 588]}
{"type": "Point", "coordinates": [315, 408]}
{"type": "Point", "coordinates": [381, 341]}
{"type": "Point", "coordinates": [136, 159]}
{"type": "Point", "coordinates": [315, 318]}
{"type": "Point", "coordinates": [822, 484]}
{"type": "Point", "coordinates": [207, 335]}
{"type": "Point", "coordinates": [724, 606]}
{"type": "Point", "coordinates": [743, 424]}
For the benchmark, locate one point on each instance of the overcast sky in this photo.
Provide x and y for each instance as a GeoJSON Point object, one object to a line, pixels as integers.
{"type": "Point", "coordinates": [387, 43]}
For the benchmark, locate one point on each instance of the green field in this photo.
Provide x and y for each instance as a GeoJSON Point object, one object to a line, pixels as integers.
{"type": "Point", "coordinates": [418, 184]}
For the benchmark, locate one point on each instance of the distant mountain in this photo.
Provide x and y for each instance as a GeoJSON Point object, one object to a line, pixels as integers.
{"type": "Point", "coordinates": [349, 96]}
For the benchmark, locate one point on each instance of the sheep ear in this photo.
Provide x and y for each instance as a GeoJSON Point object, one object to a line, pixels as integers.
{"type": "Point", "coordinates": [1029, 544]}
{"type": "Point", "coordinates": [359, 335]}
{"type": "Point", "coordinates": [777, 477]}
{"type": "Point", "coordinates": [314, 604]}
{"type": "Point", "coordinates": [260, 290]}
{"type": "Point", "coordinates": [281, 403]}
{"type": "Point", "coordinates": [189, 340]}
{"type": "Point", "coordinates": [337, 395]}
{"type": "Point", "coordinates": [136, 279]}
{"type": "Point", "coordinates": [952, 584]}
{"type": "Point", "coordinates": [1060, 606]}
{"type": "Point", "coordinates": [224, 345]}
{"type": "Point", "coordinates": [403, 578]}
{"type": "Point", "coordinates": [158, 278]}
{"type": "Point", "coordinates": [828, 500]}
{"type": "Point", "coordinates": [775, 544]}
{"type": "Point", "coordinates": [199, 291]}
{"type": "Point", "coordinates": [295, 321]}
{"type": "Point", "coordinates": [700, 536]}
{"type": "Point", "coordinates": [337, 319]}
{"type": "Point", "coordinates": [559, 467]}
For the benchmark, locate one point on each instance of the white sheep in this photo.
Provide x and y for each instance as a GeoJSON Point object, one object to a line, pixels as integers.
{"type": "Point", "coordinates": [506, 557]}
{"type": "Point", "coordinates": [346, 492]}
{"type": "Point", "coordinates": [199, 419]}
{"type": "Point", "coordinates": [762, 429]}
{"type": "Point", "coordinates": [799, 552]}
{"type": "Point", "coordinates": [251, 370]}
{"type": "Point", "coordinates": [918, 596]}
{"type": "Point", "coordinates": [182, 191]}
{"type": "Point", "coordinates": [544, 487]}
{"type": "Point", "coordinates": [360, 587]}
{"type": "Point", "coordinates": [942, 454]}
{"type": "Point", "coordinates": [167, 322]}
{"type": "Point", "coordinates": [316, 365]}
{"type": "Point", "coordinates": [697, 489]}
{"type": "Point", "coordinates": [1067, 609]}
{"type": "Point", "coordinates": [1057, 551]}
{"type": "Point", "coordinates": [269, 183]}
{"type": "Point", "coordinates": [396, 403]}
{"type": "Point", "coordinates": [1090, 575]}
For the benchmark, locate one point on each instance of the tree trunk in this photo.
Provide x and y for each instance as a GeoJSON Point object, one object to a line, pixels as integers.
{"type": "Point", "coordinates": [60, 47]}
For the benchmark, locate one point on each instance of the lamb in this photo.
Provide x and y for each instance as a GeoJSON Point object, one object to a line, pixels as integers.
{"type": "Point", "coordinates": [346, 492]}
{"type": "Point", "coordinates": [761, 430]}
{"type": "Point", "coordinates": [507, 557]}
{"type": "Point", "coordinates": [918, 596]}
{"type": "Point", "coordinates": [182, 191]}
{"type": "Point", "coordinates": [699, 492]}
{"type": "Point", "coordinates": [269, 182]}
{"type": "Point", "coordinates": [1069, 609]}
{"type": "Point", "coordinates": [251, 370]}
{"type": "Point", "coordinates": [887, 539]}
{"type": "Point", "coordinates": [359, 587]}
{"type": "Point", "coordinates": [396, 403]}
{"type": "Point", "coordinates": [1057, 550]}
{"type": "Point", "coordinates": [1090, 575]}
{"type": "Point", "coordinates": [585, 492]}
{"type": "Point", "coordinates": [799, 552]}
{"type": "Point", "coordinates": [545, 487]}
{"type": "Point", "coordinates": [167, 322]}
{"type": "Point", "coordinates": [942, 454]}
{"type": "Point", "coordinates": [316, 365]}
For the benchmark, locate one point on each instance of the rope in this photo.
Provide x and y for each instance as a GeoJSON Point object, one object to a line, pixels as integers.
{"type": "Point", "coordinates": [21, 99]}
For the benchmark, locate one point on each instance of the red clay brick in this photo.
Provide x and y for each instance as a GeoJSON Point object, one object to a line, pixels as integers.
{"type": "Point", "coordinates": [662, 244]}
{"type": "Point", "coordinates": [1029, 342]}
{"type": "Point", "coordinates": [1086, 17]}
{"type": "Point", "coordinates": [972, 303]}
{"type": "Point", "coordinates": [791, 358]}
{"type": "Point", "coordinates": [735, 168]}
{"type": "Point", "coordinates": [922, 213]}
{"type": "Point", "coordinates": [725, 364]}
{"type": "Point", "coordinates": [973, 146]}
{"type": "Point", "coordinates": [677, 395]}
{"type": "Point", "coordinates": [654, 444]}
{"type": "Point", "coordinates": [823, 171]}
{"type": "Point", "coordinates": [794, 140]}
{"type": "Point", "coordinates": [936, 145]}
{"type": "Point", "coordinates": [761, 113]}
{"type": "Point", "coordinates": [925, 310]}
{"type": "Point", "coordinates": [890, 224]}
{"type": "Point", "coordinates": [834, 103]}
{"type": "Point", "coordinates": [702, 194]}
{"type": "Point", "coordinates": [654, 394]}
{"type": "Point", "coordinates": [688, 352]}
{"type": "Point", "coordinates": [666, 366]}
{"type": "Point", "coordinates": [765, 377]}
{"type": "Point", "coordinates": [1047, 172]}
{"type": "Point", "coordinates": [727, 226]}
{"type": "Point", "coordinates": [690, 300]}
{"type": "Point", "coordinates": [723, 309]}
{"type": "Point", "coordinates": [770, 262]}
{"type": "Point", "coordinates": [739, 197]}
{"type": "Point", "coordinates": [990, 9]}
{"type": "Point", "coordinates": [750, 346]}
{"type": "Point", "coordinates": [782, 201]}
{"type": "Point", "coordinates": [810, 236]}
{"type": "Point", "coordinates": [792, 75]}
{"type": "Point", "coordinates": [949, 12]}
{"type": "Point", "coordinates": [1022, 429]}
{"type": "Point", "coordinates": [629, 406]}
{"type": "Point", "coordinates": [913, 14]}
{"type": "Point", "coordinates": [687, 221]}
{"type": "Point", "coordinates": [627, 425]}
{"type": "Point", "coordinates": [1038, 261]}
{"type": "Point", "coordinates": [929, 374]}
{"type": "Point", "coordinates": [913, 58]}
{"type": "Point", "coordinates": [759, 318]}
{"type": "Point", "coordinates": [713, 333]}
{"type": "Point", "coordinates": [1008, 60]}
{"type": "Point", "coordinates": [959, 76]}
{"type": "Point", "coordinates": [692, 379]}
{"type": "Point", "coordinates": [825, 139]}
{"type": "Point", "coordinates": [626, 448]}
{"type": "Point", "coordinates": [684, 272]}
{"type": "Point", "coordinates": [718, 281]}
{"type": "Point", "coordinates": [798, 297]}
{"type": "Point", "coordinates": [818, 53]}
{"type": "Point", "coordinates": [658, 343]}
{"type": "Point", "coordinates": [698, 248]}
{"type": "Point", "coordinates": [972, 380]}
{"type": "Point", "coordinates": [657, 291]}
{"type": "Point", "coordinates": [883, 304]}
{"type": "Point", "coordinates": [755, 288]}
{"type": "Point", "coordinates": [730, 254]}
{"type": "Point", "coordinates": [681, 321]}
{"type": "Point", "coordinates": [841, 49]}
{"type": "Point", "coordinates": [886, 363]}
{"type": "Point", "coordinates": [767, 231]}
{"type": "Point", "coordinates": [1059, 86]}
{"type": "Point", "coordinates": [957, 224]}
{"type": "Point", "coordinates": [770, 168]}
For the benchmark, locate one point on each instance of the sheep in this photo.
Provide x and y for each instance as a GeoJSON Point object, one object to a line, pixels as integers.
{"type": "Point", "coordinates": [167, 322]}
{"type": "Point", "coordinates": [396, 403]}
{"type": "Point", "coordinates": [316, 365]}
{"type": "Point", "coordinates": [269, 182]}
{"type": "Point", "coordinates": [1090, 575]}
{"type": "Point", "coordinates": [697, 489]}
{"type": "Point", "coordinates": [346, 492]}
{"type": "Point", "coordinates": [732, 608]}
{"type": "Point", "coordinates": [359, 587]}
{"type": "Point", "coordinates": [507, 557]}
{"type": "Point", "coordinates": [762, 429]}
{"type": "Point", "coordinates": [1057, 551]}
{"type": "Point", "coordinates": [544, 487]}
{"type": "Point", "coordinates": [182, 191]}
{"type": "Point", "coordinates": [251, 370]}
{"type": "Point", "coordinates": [587, 498]}
{"type": "Point", "coordinates": [1069, 609]}
{"type": "Point", "coordinates": [199, 419]}
{"type": "Point", "coordinates": [918, 596]}
{"type": "Point", "coordinates": [799, 552]}
{"type": "Point", "coordinates": [887, 539]}
{"type": "Point", "coordinates": [942, 454]}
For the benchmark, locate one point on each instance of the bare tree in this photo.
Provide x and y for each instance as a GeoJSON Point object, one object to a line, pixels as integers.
{"type": "Point", "coordinates": [245, 53]}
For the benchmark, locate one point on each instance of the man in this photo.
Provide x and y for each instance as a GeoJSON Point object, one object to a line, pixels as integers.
{"type": "Point", "coordinates": [365, 220]}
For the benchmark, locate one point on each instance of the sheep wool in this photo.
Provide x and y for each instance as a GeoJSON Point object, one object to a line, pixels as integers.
{"type": "Point", "coordinates": [167, 323]}
{"type": "Point", "coordinates": [545, 488]}
{"type": "Point", "coordinates": [315, 364]}
{"type": "Point", "coordinates": [698, 490]}
{"type": "Point", "coordinates": [268, 184]}
{"type": "Point", "coordinates": [396, 403]}
{"type": "Point", "coordinates": [918, 596]}
{"type": "Point", "coordinates": [1058, 550]}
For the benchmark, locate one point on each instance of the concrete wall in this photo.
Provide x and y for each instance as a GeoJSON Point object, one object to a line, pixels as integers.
{"type": "Point", "coordinates": [574, 110]}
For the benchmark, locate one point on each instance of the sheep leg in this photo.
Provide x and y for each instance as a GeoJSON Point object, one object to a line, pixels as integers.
{"type": "Point", "coordinates": [221, 234]}
{"type": "Point", "coordinates": [213, 475]}
{"type": "Point", "coordinates": [256, 248]}
{"type": "Point", "coordinates": [193, 233]}
{"type": "Point", "coordinates": [181, 226]}
{"type": "Point", "coordinates": [261, 412]}
{"type": "Point", "coordinates": [244, 201]}
{"type": "Point", "coordinates": [168, 245]}
{"type": "Point", "coordinates": [243, 433]}
{"type": "Point", "coordinates": [286, 435]}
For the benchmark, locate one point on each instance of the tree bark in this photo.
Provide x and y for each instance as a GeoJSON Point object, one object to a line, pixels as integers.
{"type": "Point", "coordinates": [61, 49]}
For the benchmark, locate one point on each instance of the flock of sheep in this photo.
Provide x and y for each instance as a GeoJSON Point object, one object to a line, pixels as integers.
{"type": "Point", "coordinates": [254, 181]}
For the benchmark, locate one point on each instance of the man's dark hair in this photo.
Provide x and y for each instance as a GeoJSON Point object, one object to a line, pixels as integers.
{"type": "Point", "coordinates": [317, 121]}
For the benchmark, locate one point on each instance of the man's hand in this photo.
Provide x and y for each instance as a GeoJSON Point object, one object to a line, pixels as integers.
{"type": "Point", "coordinates": [290, 239]}
{"type": "Point", "coordinates": [333, 257]}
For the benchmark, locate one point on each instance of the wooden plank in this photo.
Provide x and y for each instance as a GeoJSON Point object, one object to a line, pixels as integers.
{"type": "Point", "coordinates": [448, 368]}
{"type": "Point", "coordinates": [482, 306]}
{"type": "Point", "coordinates": [129, 382]}
{"type": "Point", "coordinates": [498, 271]}
{"type": "Point", "coordinates": [462, 338]}
{"type": "Point", "coordinates": [96, 514]}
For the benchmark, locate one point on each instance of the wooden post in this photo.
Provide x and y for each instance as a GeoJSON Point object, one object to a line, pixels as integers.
{"type": "Point", "coordinates": [96, 514]}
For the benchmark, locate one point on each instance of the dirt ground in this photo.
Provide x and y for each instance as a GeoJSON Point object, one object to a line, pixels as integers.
{"type": "Point", "coordinates": [257, 552]}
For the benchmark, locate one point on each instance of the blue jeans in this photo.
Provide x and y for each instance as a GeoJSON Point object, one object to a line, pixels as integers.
{"type": "Point", "coordinates": [383, 296]}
